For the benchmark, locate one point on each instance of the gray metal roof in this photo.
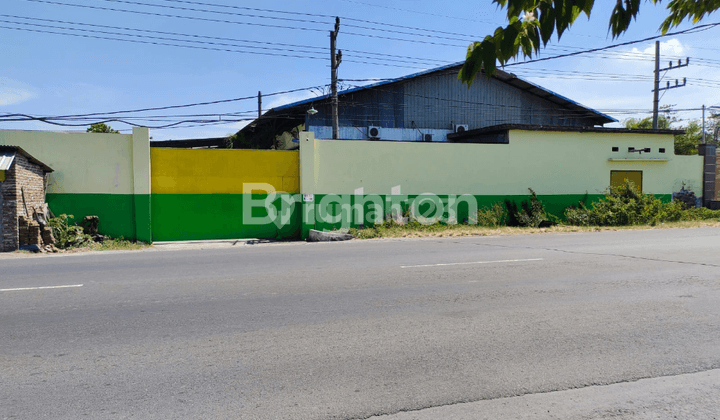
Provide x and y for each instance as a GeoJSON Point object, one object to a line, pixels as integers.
{"type": "Point", "coordinates": [508, 78]}
{"type": "Point", "coordinates": [527, 127]}
{"type": "Point", "coordinates": [14, 151]}
{"type": "Point", "coordinates": [6, 159]}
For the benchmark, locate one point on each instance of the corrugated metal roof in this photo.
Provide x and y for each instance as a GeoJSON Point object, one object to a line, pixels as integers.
{"type": "Point", "coordinates": [384, 82]}
{"type": "Point", "coordinates": [527, 127]}
{"type": "Point", "coordinates": [17, 149]}
{"type": "Point", "coordinates": [508, 78]}
{"type": "Point", "coordinates": [6, 159]}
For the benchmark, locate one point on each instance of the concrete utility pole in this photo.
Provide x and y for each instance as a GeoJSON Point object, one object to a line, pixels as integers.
{"type": "Point", "coordinates": [703, 133]}
{"type": "Point", "coordinates": [259, 104]}
{"type": "Point", "coordinates": [335, 60]}
{"type": "Point", "coordinates": [657, 88]}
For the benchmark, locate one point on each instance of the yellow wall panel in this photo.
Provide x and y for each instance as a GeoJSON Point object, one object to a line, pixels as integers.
{"type": "Point", "coordinates": [291, 184]}
{"type": "Point", "coordinates": [617, 178]}
{"type": "Point", "coordinates": [212, 171]}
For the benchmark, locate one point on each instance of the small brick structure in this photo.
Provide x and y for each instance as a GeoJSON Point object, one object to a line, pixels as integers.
{"type": "Point", "coordinates": [22, 198]}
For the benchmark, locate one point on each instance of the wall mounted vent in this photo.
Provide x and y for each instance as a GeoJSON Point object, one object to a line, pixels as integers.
{"type": "Point", "coordinates": [374, 132]}
{"type": "Point", "coordinates": [427, 137]}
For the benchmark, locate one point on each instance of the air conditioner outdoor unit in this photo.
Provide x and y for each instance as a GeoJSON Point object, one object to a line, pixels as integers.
{"type": "Point", "coordinates": [374, 132]}
{"type": "Point", "coordinates": [427, 137]}
{"type": "Point", "coordinates": [460, 128]}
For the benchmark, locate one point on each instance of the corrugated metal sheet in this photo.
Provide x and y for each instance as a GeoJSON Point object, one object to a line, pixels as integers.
{"type": "Point", "coordinates": [6, 160]}
{"type": "Point", "coordinates": [382, 107]}
{"type": "Point", "coordinates": [436, 99]}
{"type": "Point", "coordinates": [433, 95]}
{"type": "Point", "coordinates": [439, 100]}
{"type": "Point", "coordinates": [15, 150]}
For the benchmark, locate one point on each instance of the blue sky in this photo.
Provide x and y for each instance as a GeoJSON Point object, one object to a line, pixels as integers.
{"type": "Point", "coordinates": [238, 51]}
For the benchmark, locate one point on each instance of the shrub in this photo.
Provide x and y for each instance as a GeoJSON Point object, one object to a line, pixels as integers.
{"type": "Point", "coordinates": [700, 213]}
{"type": "Point", "coordinates": [531, 213]}
{"type": "Point", "coordinates": [625, 205]}
{"type": "Point", "coordinates": [67, 235]}
{"type": "Point", "coordinates": [491, 217]}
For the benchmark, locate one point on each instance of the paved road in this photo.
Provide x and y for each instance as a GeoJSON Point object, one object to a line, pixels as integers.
{"type": "Point", "coordinates": [352, 330]}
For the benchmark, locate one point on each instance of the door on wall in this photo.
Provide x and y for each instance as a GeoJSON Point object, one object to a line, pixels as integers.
{"type": "Point", "coordinates": [617, 178]}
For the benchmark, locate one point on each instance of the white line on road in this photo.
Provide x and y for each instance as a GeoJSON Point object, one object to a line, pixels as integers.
{"type": "Point", "coordinates": [43, 287]}
{"type": "Point", "coordinates": [474, 262]}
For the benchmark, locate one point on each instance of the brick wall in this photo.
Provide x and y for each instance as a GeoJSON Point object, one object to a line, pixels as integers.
{"type": "Point", "coordinates": [9, 240]}
{"type": "Point", "coordinates": [23, 179]}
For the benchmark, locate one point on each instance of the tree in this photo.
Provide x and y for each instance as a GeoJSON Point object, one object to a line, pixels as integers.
{"type": "Point", "coordinates": [533, 22]}
{"type": "Point", "coordinates": [101, 128]}
{"type": "Point", "coordinates": [685, 144]}
{"type": "Point", "coordinates": [646, 123]}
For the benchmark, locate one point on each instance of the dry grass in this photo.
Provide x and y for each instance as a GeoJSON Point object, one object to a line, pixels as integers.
{"type": "Point", "coordinates": [465, 230]}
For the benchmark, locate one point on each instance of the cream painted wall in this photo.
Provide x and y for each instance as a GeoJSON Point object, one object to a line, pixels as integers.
{"type": "Point", "coordinates": [83, 162]}
{"type": "Point", "coordinates": [548, 162]}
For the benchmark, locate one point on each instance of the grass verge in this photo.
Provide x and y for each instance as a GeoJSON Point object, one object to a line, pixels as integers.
{"type": "Point", "coordinates": [409, 231]}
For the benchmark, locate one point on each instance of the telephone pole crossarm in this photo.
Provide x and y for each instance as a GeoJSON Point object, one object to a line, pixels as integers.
{"type": "Point", "coordinates": [656, 86]}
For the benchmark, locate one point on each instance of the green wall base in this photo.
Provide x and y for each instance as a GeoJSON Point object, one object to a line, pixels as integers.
{"type": "Point", "coordinates": [177, 217]}
{"type": "Point", "coordinates": [115, 211]}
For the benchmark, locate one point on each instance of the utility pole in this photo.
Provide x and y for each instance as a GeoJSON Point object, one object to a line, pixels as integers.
{"type": "Point", "coordinates": [657, 88]}
{"type": "Point", "coordinates": [703, 136]}
{"type": "Point", "coordinates": [259, 104]}
{"type": "Point", "coordinates": [335, 60]}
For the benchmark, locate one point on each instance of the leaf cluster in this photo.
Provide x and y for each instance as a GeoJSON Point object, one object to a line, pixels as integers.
{"type": "Point", "coordinates": [533, 22]}
{"type": "Point", "coordinates": [530, 214]}
{"type": "Point", "coordinates": [67, 234]}
{"type": "Point", "coordinates": [625, 205]}
{"type": "Point", "coordinates": [491, 217]}
{"type": "Point", "coordinates": [101, 128]}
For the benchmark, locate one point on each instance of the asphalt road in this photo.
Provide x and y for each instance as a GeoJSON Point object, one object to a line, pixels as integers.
{"type": "Point", "coordinates": [357, 329]}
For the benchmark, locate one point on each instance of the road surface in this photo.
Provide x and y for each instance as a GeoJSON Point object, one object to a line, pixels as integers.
{"type": "Point", "coordinates": [620, 321]}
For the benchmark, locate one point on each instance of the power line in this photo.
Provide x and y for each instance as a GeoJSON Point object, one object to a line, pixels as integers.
{"type": "Point", "coordinates": [221, 101]}
{"type": "Point", "coordinates": [234, 22]}
{"type": "Point", "coordinates": [321, 15]}
{"type": "Point", "coordinates": [417, 66]}
{"type": "Point", "coordinates": [592, 50]}
{"type": "Point", "coordinates": [416, 11]}
{"type": "Point", "coordinates": [162, 38]}
{"type": "Point", "coordinates": [163, 32]}
{"type": "Point", "coordinates": [174, 16]}
{"type": "Point", "coordinates": [161, 43]}
{"type": "Point", "coordinates": [369, 55]}
{"type": "Point", "coordinates": [289, 19]}
{"type": "Point", "coordinates": [189, 9]}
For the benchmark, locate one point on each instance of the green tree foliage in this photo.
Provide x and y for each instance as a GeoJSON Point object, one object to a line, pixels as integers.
{"type": "Point", "coordinates": [646, 123]}
{"type": "Point", "coordinates": [685, 144]}
{"type": "Point", "coordinates": [531, 24]}
{"type": "Point", "coordinates": [625, 205]}
{"type": "Point", "coordinates": [67, 234]}
{"type": "Point", "coordinates": [101, 128]}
